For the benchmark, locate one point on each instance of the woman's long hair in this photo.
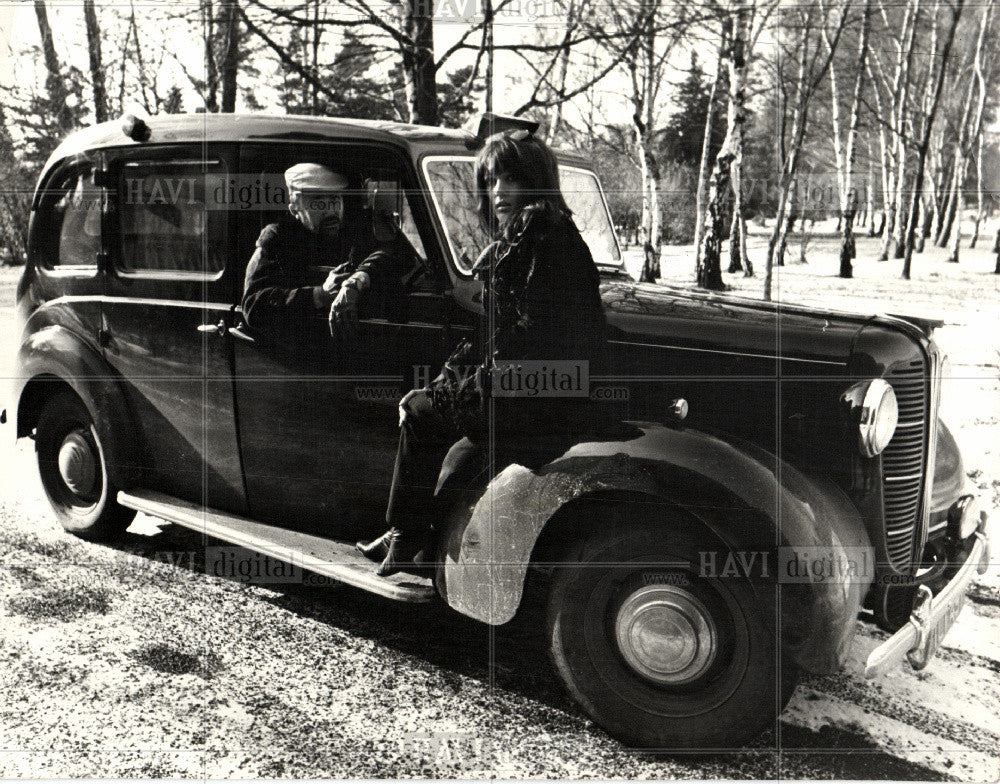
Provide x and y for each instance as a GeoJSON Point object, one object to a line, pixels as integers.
{"type": "Point", "coordinates": [524, 158]}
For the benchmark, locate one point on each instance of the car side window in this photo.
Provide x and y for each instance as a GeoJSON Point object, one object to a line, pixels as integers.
{"type": "Point", "coordinates": [169, 224]}
{"type": "Point", "coordinates": [70, 216]}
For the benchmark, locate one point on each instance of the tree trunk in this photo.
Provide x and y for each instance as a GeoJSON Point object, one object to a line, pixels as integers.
{"type": "Point", "coordinates": [890, 219]}
{"type": "Point", "coordinates": [956, 13]}
{"type": "Point", "coordinates": [930, 210]}
{"type": "Point", "coordinates": [957, 228]}
{"type": "Point", "coordinates": [488, 30]}
{"type": "Point", "coordinates": [772, 241]}
{"type": "Point", "coordinates": [883, 159]}
{"type": "Point", "coordinates": [704, 164]}
{"type": "Point", "coordinates": [709, 268]}
{"type": "Point", "coordinates": [96, 66]}
{"type": "Point", "coordinates": [996, 250]}
{"type": "Point", "coordinates": [211, 69]}
{"type": "Point", "coordinates": [952, 206]}
{"type": "Point", "coordinates": [926, 216]}
{"type": "Point", "coordinates": [974, 133]}
{"type": "Point", "coordinates": [55, 84]}
{"type": "Point", "coordinates": [789, 227]}
{"type": "Point", "coordinates": [643, 122]}
{"type": "Point", "coordinates": [230, 54]}
{"type": "Point", "coordinates": [849, 199]}
{"type": "Point", "coordinates": [847, 246]}
{"type": "Point", "coordinates": [870, 208]}
{"type": "Point", "coordinates": [947, 213]}
{"type": "Point", "coordinates": [733, 145]}
{"type": "Point", "coordinates": [651, 228]}
{"type": "Point", "coordinates": [419, 68]}
{"type": "Point", "coordinates": [897, 237]}
{"type": "Point", "coordinates": [899, 94]}
{"type": "Point", "coordinates": [838, 157]}
{"type": "Point", "coordinates": [562, 71]}
{"type": "Point", "coordinates": [980, 207]}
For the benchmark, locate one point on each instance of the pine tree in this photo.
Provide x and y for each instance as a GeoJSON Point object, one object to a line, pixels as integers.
{"type": "Point", "coordinates": [685, 131]}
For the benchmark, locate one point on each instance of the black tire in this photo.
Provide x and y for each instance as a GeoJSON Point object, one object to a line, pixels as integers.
{"type": "Point", "coordinates": [727, 693]}
{"type": "Point", "coordinates": [81, 493]}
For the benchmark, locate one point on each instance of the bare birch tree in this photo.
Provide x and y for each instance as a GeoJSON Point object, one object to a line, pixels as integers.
{"type": "Point", "coordinates": [844, 158]}
{"type": "Point", "coordinates": [708, 270]}
{"type": "Point", "coordinates": [896, 86]}
{"type": "Point", "coordinates": [96, 65]}
{"type": "Point", "coordinates": [927, 122]}
{"type": "Point", "coordinates": [971, 126]}
{"type": "Point", "coordinates": [812, 63]}
{"type": "Point", "coordinates": [706, 143]}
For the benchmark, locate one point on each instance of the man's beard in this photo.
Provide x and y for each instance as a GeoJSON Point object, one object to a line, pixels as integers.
{"type": "Point", "coordinates": [329, 227]}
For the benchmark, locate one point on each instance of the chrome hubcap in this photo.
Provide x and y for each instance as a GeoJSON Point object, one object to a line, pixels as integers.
{"type": "Point", "coordinates": [666, 634]}
{"type": "Point", "coordinates": [78, 463]}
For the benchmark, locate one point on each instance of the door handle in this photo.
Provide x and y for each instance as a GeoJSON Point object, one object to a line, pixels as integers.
{"type": "Point", "coordinates": [236, 332]}
{"type": "Point", "coordinates": [219, 329]}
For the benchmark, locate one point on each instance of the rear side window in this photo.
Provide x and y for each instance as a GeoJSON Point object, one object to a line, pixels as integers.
{"type": "Point", "coordinates": [167, 221]}
{"type": "Point", "coordinates": [70, 221]}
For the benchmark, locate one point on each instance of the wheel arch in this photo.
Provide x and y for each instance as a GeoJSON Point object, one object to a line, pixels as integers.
{"type": "Point", "coordinates": [732, 490]}
{"type": "Point", "coordinates": [54, 359]}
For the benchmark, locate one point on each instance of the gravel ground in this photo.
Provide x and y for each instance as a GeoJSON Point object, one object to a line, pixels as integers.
{"type": "Point", "coordinates": [131, 661]}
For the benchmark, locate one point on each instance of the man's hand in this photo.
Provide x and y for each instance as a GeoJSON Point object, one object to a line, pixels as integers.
{"type": "Point", "coordinates": [403, 411]}
{"type": "Point", "coordinates": [344, 318]}
{"type": "Point", "coordinates": [334, 281]}
{"type": "Point", "coordinates": [344, 310]}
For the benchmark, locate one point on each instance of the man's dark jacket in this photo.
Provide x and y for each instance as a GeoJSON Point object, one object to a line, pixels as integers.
{"type": "Point", "coordinates": [283, 299]}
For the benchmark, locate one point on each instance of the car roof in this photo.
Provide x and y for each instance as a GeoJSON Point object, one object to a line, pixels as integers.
{"type": "Point", "coordinates": [418, 140]}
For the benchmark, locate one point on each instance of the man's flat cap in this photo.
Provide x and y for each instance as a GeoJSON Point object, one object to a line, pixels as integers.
{"type": "Point", "coordinates": [314, 177]}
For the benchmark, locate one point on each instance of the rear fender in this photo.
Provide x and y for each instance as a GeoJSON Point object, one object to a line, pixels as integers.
{"type": "Point", "coordinates": [733, 489]}
{"type": "Point", "coordinates": [53, 358]}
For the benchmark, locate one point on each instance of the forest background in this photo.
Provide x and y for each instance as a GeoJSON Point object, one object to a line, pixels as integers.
{"type": "Point", "coordinates": [700, 116]}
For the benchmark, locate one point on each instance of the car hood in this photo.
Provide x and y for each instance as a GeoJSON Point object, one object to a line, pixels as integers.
{"type": "Point", "coordinates": [658, 315]}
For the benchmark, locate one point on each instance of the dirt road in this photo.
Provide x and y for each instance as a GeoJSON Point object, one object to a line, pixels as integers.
{"type": "Point", "coordinates": [132, 661]}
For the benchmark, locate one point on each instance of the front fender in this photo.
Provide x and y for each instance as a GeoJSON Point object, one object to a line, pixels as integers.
{"type": "Point", "coordinates": [52, 356]}
{"type": "Point", "coordinates": [733, 488]}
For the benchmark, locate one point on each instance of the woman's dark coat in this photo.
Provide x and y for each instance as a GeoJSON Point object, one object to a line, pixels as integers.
{"type": "Point", "coordinates": [542, 302]}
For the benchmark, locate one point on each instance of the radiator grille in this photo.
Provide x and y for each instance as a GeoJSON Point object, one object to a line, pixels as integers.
{"type": "Point", "coordinates": [903, 469]}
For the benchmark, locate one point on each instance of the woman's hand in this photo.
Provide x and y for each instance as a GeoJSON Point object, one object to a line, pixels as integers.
{"type": "Point", "coordinates": [406, 399]}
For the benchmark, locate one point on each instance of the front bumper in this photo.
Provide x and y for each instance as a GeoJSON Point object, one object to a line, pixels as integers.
{"type": "Point", "coordinates": [932, 615]}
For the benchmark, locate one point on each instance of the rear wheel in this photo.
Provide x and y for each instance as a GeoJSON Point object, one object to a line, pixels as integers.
{"type": "Point", "coordinates": [73, 471]}
{"type": "Point", "coordinates": [659, 654]}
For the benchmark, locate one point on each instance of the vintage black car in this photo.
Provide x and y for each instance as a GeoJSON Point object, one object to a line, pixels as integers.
{"type": "Point", "coordinates": [777, 470]}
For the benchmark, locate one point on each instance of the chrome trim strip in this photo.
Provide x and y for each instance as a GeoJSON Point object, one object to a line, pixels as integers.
{"type": "Point", "coordinates": [730, 353]}
{"type": "Point", "coordinates": [110, 299]}
{"type": "Point", "coordinates": [936, 363]}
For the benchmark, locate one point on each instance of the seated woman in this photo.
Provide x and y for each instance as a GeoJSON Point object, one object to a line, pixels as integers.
{"type": "Point", "coordinates": [541, 304]}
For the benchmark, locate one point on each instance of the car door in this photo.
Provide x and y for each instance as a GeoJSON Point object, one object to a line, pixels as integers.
{"type": "Point", "coordinates": [318, 431]}
{"type": "Point", "coordinates": [168, 302]}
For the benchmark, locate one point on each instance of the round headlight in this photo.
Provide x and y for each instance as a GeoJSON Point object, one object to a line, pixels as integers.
{"type": "Point", "coordinates": [878, 417]}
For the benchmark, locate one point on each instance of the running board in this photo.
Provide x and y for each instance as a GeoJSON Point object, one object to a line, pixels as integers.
{"type": "Point", "coordinates": [330, 558]}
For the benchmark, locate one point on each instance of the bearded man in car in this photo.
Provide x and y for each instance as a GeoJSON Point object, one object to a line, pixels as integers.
{"type": "Point", "coordinates": [311, 269]}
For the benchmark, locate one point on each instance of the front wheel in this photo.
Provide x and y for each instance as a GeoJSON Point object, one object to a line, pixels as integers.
{"type": "Point", "coordinates": [73, 471]}
{"type": "Point", "coordinates": [660, 654]}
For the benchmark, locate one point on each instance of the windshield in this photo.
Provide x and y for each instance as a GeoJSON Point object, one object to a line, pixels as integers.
{"type": "Point", "coordinates": [453, 191]}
